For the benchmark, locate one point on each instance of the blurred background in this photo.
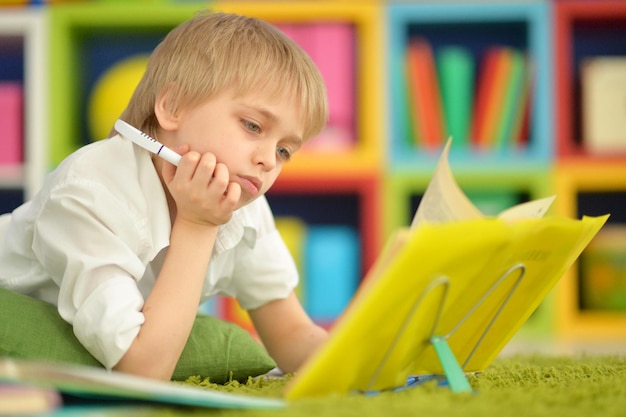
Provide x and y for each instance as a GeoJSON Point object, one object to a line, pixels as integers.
{"type": "Point", "coordinates": [532, 92]}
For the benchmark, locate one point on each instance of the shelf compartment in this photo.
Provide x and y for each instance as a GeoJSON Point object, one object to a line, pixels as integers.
{"type": "Point", "coordinates": [23, 31]}
{"type": "Point", "coordinates": [85, 39]}
{"type": "Point", "coordinates": [351, 200]}
{"type": "Point", "coordinates": [582, 30]}
{"type": "Point", "coordinates": [474, 26]}
{"type": "Point", "coordinates": [578, 185]}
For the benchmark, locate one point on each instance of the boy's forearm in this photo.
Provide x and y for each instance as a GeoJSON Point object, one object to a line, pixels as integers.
{"type": "Point", "coordinates": [288, 333]}
{"type": "Point", "coordinates": [172, 305]}
{"type": "Point", "coordinates": [298, 347]}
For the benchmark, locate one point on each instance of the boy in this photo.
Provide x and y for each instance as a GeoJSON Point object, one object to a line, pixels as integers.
{"type": "Point", "coordinates": [127, 245]}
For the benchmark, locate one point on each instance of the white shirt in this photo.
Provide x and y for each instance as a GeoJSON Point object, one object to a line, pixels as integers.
{"type": "Point", "coordinates": [93, 240]}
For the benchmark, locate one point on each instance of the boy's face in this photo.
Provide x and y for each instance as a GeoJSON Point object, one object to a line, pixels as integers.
{"type": "Point", "coordinates": [253, 135]}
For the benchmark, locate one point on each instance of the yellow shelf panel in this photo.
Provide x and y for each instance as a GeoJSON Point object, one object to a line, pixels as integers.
{"type": "Point", "coordinates": [574, 324]}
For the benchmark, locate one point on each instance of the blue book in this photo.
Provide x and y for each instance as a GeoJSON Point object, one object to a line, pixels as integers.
{"type": "Point", "coordinates": [332, 270]}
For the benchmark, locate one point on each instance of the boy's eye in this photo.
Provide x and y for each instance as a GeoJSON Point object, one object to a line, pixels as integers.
{"type": "Point", "coordinates": [283, 153]}
{"type": "Point", "coordinates": [253, 127]}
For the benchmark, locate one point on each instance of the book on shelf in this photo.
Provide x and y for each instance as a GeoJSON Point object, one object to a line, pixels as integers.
{"type": "Point", "coordinates": [331, 46]}
{"type": "Point", "coordinates": [328, 259]}
{"type": "Point", "coordinates": [520, 128]}
{"type": "Point", "coordinates": [494, 88]}
{"type": "Point", "coordinates": [485, 107]}
{"type": "Point", "coordinates": [425, 94]}
{"type": "Point", "coordinates": [446, 294]}
{"type": "Point", "coordinates": [603, 82]}
{"type": "Point", "coordinates": [455, 66]}
{"type": "Point", "coordinates": [512, 102]}
{"type": "Point", "coordinates": [484, 86]}
{"type": "Point", "coordinates": [12, 122]}
{"type": "Point", "coordinates": [495, 101]}
{"type": "Point", "coordinates": [501, 104]}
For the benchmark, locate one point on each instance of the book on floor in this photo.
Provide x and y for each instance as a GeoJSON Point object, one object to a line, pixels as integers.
{"type": "Point", "coordinates": [100, 384]}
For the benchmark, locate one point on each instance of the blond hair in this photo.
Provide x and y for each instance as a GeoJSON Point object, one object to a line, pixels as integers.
{"type": "Point", "coordinates": [216, 51]}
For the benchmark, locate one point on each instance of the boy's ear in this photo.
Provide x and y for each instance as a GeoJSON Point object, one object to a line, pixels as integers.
{"type": "Point", "coordinates": [163, 110]}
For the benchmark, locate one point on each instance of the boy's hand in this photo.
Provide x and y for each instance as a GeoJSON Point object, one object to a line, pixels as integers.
{"type": "Point", "coordinates": [201, 188]}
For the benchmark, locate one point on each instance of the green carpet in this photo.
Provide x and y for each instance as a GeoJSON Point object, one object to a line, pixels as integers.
{"type": "Point", "coordinates": [513, 386]}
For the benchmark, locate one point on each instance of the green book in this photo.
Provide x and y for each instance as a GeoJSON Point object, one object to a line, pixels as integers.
{"type": "Point", "coordinates": [412, 137]}
{"type": "Point", "coordinates": [455, 66]}
{"type": "Point", "coordinates": [513, 101]}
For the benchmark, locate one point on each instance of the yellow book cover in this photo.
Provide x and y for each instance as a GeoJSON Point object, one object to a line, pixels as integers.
{"type": "Point", "coordinates": [454, 274]}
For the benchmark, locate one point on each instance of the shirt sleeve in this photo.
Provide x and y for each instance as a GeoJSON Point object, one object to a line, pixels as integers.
{"type": "Point", "coordinates": [88, 240]}
{"type": "Point", "coordinates": [265, 271]}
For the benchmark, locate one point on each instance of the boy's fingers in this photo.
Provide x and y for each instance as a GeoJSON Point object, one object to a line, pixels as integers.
{"type": "Point", "coordinates": [168, 171]}
{"type": "Point", "coordinates": [221, 177]}
{"type": "Point", "coordinates": [205, 169]}
{"type": "Point", "coordinates": [233, 193]}
{"type": "Point", "coordinates": [188, 165]}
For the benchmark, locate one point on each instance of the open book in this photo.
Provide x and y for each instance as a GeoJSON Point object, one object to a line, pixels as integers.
{"type": "Point", "coordinates": [445, 295]}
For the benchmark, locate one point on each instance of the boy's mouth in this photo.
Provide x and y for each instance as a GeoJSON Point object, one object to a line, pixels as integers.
{"type": "Point", "coordinates": [251, 185]}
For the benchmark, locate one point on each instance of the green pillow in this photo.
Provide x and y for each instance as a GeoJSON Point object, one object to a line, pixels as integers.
{"type": "Point", "coordinates": [33, 329]}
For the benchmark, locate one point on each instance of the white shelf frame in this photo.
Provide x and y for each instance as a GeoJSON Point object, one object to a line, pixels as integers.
{"type": "Point", "coordinates": [30, 23]}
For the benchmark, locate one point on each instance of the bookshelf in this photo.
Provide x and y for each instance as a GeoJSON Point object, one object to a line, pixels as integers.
{"type": "Point", "coordinates": [23, 52]}
{"type": "Point", "coordinates": [587, 182]}
{"type": "Point", "coordinates": [377, 181]}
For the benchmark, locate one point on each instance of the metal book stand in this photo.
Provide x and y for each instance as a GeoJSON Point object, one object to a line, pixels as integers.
{"type": "Point", "coordinates": [453, 372]}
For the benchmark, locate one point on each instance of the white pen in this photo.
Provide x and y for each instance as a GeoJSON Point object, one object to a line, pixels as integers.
{"type": "Point", "coordinates": [147, 142]}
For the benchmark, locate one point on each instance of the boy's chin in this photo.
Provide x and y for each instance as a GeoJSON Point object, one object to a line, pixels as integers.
{"type": "Point", "coordinates": [245, 200]}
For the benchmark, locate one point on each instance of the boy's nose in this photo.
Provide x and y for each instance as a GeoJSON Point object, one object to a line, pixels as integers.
{"type": "Point", "coordinates": [265, 155]}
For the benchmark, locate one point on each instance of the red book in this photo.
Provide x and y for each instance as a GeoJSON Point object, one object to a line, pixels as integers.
{"type": "Point", "coordinates": [484, 91]}
{"type": "Point", "coordinates": [494, 111]}
{"type": "Point", "coordinates": [428, 108]}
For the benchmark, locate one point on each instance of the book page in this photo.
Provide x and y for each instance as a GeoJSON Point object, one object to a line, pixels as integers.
{"type": "Point", "coordinates": [528, 210]}
{"type": "Point", "coordinates": [443, 200]}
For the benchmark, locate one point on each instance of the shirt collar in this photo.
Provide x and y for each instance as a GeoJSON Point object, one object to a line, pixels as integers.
{"type": "Point", "coordinates": [239, 228]}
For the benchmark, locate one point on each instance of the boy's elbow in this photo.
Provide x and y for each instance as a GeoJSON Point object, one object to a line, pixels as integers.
{"type": "Point", "coordinates": [144, 366]}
